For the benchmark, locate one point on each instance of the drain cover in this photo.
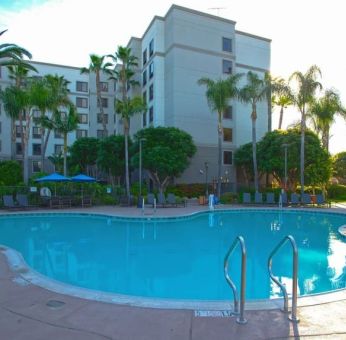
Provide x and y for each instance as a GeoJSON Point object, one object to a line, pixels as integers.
{"type": "Point", "coordinates": [55, 304]}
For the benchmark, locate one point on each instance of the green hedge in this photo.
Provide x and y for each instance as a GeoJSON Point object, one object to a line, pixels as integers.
{"type": "Point", "coordinates": [337, 191]}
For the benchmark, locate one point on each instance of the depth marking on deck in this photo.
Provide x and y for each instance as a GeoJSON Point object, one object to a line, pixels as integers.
{"type": "Point", "coordinates": [213, 313]}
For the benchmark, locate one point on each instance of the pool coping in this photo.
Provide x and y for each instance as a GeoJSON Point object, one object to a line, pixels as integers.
{"type": "Point", "coordinates": [30, 276]}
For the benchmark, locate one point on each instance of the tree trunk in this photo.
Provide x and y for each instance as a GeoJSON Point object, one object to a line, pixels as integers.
{"type": "Point", "coordinates": [13, 139]}
{"type": "Point", "coordinates": [302, 152]}
{"type": "Point", "coordinates": [269, 104]}
{"type": "Point", "coordinates": [25, 139]}
{"type": "Point", "coordinates": [127, 175]}
{"type": "Point", "coordinates": [281, 117]}
{"type": "Point", "coordinates": [65, 154]}
{"type": "Point", "coordinates": [325, 138]}
{"type": "Point", "coordinates": [43, 131]}
{"type": "Point", "coordinates": [254, 147]}
{"type": "Point", "coordinates": [99, 99]}
{"type": "Point", "coordinates": [219, 161]}
{"type": "Point", "coordinates": [44, 149]}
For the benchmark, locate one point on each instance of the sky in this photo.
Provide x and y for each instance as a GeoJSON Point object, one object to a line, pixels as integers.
{"type": "Point", "coordinates": [303, 33]}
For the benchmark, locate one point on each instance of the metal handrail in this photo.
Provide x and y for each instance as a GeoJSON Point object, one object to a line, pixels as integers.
{"type": "Point", "coordinates": [290, 238]}
{"type": "Point", "coordinates": [240, 240]}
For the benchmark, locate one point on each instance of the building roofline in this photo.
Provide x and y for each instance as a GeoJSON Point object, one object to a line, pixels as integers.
{"type": "Point", "coordinates": [253, 36]}
{"type": "Point", "coordinates": [51, 64]}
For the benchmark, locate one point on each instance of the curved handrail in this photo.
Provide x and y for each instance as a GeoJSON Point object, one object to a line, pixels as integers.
{"type": "Point", "coordinates": [239, 239]}
{"type": "Point", "coordinates": [294, 279]}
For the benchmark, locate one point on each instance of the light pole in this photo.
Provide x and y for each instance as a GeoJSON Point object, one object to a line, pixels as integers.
{"type": "Point", "coordinates": [285, 146]}
{"type": "Point", "coordinates": [140, 165]}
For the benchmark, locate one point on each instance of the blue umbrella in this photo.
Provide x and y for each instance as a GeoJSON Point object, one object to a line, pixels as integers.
{"type": "Point", "coordinates": [83, 178]}
{"type": "Point", "coordinates": [55, 177]}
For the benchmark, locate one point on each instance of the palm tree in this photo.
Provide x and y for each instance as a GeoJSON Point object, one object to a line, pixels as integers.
{"type": "Point", "coordinates": [58, 161]}
{"type": "Point", "coordinates": [65, 123]}
{"type": "Point", "coordinates": [283, 101]}
{"type": "Point", "coordinates": [97, 65]}
{"type": "Point", "coordinates": [322, 113]}
{"type": "Point", "coordinates": [307, 85]}
{"type": "Point", "coordinates": [218, 94]}
{"type": "Point", "coordinates": [252, 93]}
{"type": "Point", "coordinates": [123, 75]}
{"type": "Point", "coordinates": [12, 54]}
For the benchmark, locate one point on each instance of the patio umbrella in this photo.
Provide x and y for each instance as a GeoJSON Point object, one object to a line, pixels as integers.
{"type": "Point", "coordinates": [83, 179]}
{"type": "Point", "coordinates": [55, 177]}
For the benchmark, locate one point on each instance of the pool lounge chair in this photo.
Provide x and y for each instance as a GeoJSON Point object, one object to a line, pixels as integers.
{"type": "Point", "coordinates": [172, 201]}
{"type": "Point", "coordinates": [295, 199]}
{"type": "Point", "coordinates": [320, 201]}
{"type": "Point", "coordinates": [161, 200]}
{"type": "Point", "coordinates": [246, 197]}
{"type": "Point", "coordinates": [270, 198]}
{"type": "Point", "coordinates": [258, 198]}
{"type": "Point", "coordinates": [9, 202]}
{"type": "Point", "coordinates": [150, 199]}
{"type": "Point", "coordinates": [306, 199]}
{"type": "Point", "coordinates": [23, 201]}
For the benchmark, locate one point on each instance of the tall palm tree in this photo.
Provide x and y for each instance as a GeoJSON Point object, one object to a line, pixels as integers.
{"type": "Point", "coordinates": [306, 86]}
{"type": "Point", "coordinates": [218, 94]}
{"type": "Point", "coordinates": [123, 74]}
{"type": "Point", "coordinates": [322, 113]}
{"type": "Point", "coordinates": [12, 54]}
{"type": "Point", "coordinates": [283, 101]}
{"type": "Point", "coordinates": [98, 65]}
{"type": "Point", "coordinates": [252, 93]}
{"type": "Point", "coordinates": [65, 123]}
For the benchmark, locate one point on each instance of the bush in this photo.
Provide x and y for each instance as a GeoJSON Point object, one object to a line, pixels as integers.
{"type": "Point", "coordinates": [10, 173]}
{"type": "Point", "coordinates": [229, 198]}
{"type": "Point", "coordinates": [337, 191]}
{"type": "Point", "coordinates": [188, 190]}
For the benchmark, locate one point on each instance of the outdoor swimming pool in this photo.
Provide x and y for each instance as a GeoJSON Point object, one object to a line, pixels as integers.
{"type": "Point", "coordinates": [180, 258]}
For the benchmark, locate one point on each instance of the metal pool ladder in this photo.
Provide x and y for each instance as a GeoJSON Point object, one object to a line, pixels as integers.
{"type": "Point", "coordinates": [293, 316]}
{"type": "Point", "coordinates": [240, 240]}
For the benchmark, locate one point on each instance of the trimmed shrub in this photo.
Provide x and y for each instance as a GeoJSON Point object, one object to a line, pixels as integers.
{"type": "Point", "coordinates": [337, 191]}
{"type": "Point", "coordinates": [229, 198]}
{"type": "Point", "coordinates": [10, 173]}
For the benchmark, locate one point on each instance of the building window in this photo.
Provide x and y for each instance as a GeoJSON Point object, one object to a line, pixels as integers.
{"type": "Point", "coordinates": [99, 118]}
{"type": "Point", "coordinates": [81, 133]}
{"type": "Point", "coordinates": [227, 135]}
{"type": "Point", "coordinates": [227, 157]}
{"type": "Point", "coordinates": [145, 97]}
{"type": "Point", "coordinates": [36, 132]}
{"type": "Point", "coordinates": [227, 44]}
{"type": "Point", "coordinates": [19, 131]}
{"type": "Point", "coordinates": [58, 135]}
{"type": "Point", "coordinates": [151, 47]}
{"type": "Point", "coordinates": [144, 78]}
{"type": "Point", "coordinates": [36, 166]}
{"type": "Point", "coordinates": [151, 70]}
{"type": "Point", "coordinates": [104, 86]}
{"type": "Point", "coordinates": [151, 114]}
{"type": "Point", "coordinates": [58, 149]}
{"type": "Point", "coordinates": [144, 119]}
{"type": "Point", "coordinates": [104, 102]}
{"type": "Point", "coordinates": [82, 102]}
{"type": "Point", "coordinates": [151, 92]}
{"type": "Point", "coordinates": [83, 118]}
{"type": "Point", "coordinates": [228, 114]}
{"type": "Point", "coordinates": [19, 149]}
{"type": "Point", "coordinates": [36, 113]}
{"type": "Point", "coordinates": [144, 57]}
{"type": "Point", "coordinates": [81, 86]}
{"type": "Point", "coordinates": [101, 134]}
{"type": "Point", "coordinates": [36, 149]}
{"type": "Point", "coordinates": [227, 66]}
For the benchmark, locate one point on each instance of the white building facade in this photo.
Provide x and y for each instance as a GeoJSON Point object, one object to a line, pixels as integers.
{"type": "Point", "coordinates": [174, 53]}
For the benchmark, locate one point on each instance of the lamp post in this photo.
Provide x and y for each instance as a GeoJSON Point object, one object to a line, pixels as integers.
{"type": "Point", "coordinates": [285, 146]}
{"type": "Point", "coordinates": [140, 165]}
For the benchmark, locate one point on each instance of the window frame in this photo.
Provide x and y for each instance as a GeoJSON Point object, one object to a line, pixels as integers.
{"type": "Point", "coordinates": [81, 100]}
{"type": "Point", "coordinates": [224, 71]}
{"type": "Point", "coordinates": [79, 86]}
{"type": "Point", "coordinates": [223, 157]}
{"type": "Point", "coordinates": [231, 134]}
{"type": "Point", "coordinates": [35, 153]}
{"type": "Point", "coordinates": [225, 39]}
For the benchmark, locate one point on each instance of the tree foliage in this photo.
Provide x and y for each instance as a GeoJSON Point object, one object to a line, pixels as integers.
{"type": "Point", "coordinates": [10, 173]}
{"type": "Point", "coordinates": [166, 153]}
{"type": "Point", "coordinates": [339, 166]}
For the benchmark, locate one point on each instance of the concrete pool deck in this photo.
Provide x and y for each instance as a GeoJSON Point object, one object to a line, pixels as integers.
{"type": "Point", "coordinates": [31, 312]}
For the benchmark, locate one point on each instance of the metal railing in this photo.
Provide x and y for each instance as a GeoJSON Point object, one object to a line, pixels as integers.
{"type": "Point", "coordinates": [237, 310]}
{"type": "Point", "coordinates": [289, 238]}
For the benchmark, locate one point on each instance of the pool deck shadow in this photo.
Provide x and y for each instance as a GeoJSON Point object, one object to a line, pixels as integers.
{"type": "Point", "coordinates": [29, 312]}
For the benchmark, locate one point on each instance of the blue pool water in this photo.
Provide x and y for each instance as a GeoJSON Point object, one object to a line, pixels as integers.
{"type": "Point", "coordinates": [180, 258]}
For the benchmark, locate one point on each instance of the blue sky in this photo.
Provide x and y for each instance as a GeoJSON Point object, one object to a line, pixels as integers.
{"type": "Point", "coordinates": [303, 33]}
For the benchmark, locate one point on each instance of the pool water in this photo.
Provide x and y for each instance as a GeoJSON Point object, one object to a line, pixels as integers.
{"type": "Point", "coordinates": [181, 258]}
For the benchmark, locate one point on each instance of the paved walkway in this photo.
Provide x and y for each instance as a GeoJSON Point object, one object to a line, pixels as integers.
{"type": "Point", "coordinates": [30, 312]}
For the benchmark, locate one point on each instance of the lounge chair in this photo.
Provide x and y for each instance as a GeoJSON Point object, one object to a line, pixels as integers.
{"type": "Point", "coordinates": [172, 200]}
{"type": "Point", "coordinates": [161, 200]}
{"type": "Point", "coordinates": [23, 202]}
{"type": "Point", "coordinates": [270, 199]}
{"type": "Point", "coordinates": [246, 197]}
{"type": "Point", "coordinates": [306, 199]}
{"type": "Point", "coordinates": [320, 200]}
{"type": "Point", "coordinates": [9, 202]}
{"type": "Point", "coordinates": [295, 199]}
{"type": "Point", "coordinates": [151, 199]}
{"type": "Point", "coordinates": [86, 201]}
{"type": "Point", "coordinates": [258, 198]}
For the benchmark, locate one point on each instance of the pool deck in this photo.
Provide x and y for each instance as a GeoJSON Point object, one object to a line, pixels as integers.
{"type": "Point", "coordinates": [25, 311]}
